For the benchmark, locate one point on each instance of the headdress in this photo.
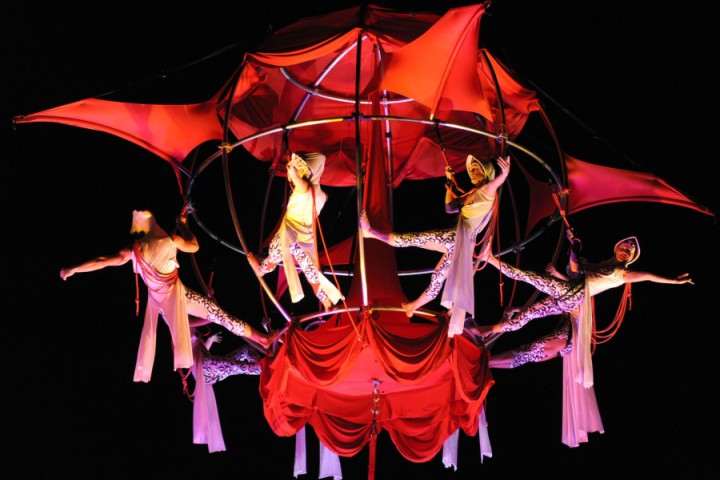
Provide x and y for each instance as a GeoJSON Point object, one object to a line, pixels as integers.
{"type": "Point", "coordinates": [487, 167]}
{"type": "Point", "coordinates": [635, 242]}
{"type": "Point", "coordinates": [315, 162]}
{"type": "Point", "coordinates": [142, 221]}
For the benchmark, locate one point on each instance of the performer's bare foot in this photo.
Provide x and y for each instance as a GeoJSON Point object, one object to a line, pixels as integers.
{"type": "Point", "coordinates": [367, 230]}
{"type": "Point", "coordinates": [492, 259]}
{"type": "Point", "coordinates": [264, 341]}
{"type": "Point", "coordinates": [482, 331]}
{"type": "Point", "coordinates": [510, 312]}
{"type": "Point", "coordinates": [268, 340]}
{"type": "Point", "coordinates": [255, 264]}
{"type": "Point", "coordinates": [409, 308]}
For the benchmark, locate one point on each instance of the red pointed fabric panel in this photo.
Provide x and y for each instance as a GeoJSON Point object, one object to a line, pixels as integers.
{"type": "Point", "coordinates": [169, 131]}
{"type": "Point", "coordinates": [592, 185]}
{"type": "Point", "coordinates": [439, 69]}
{"type": "Point", "coordinates": [518, 101]}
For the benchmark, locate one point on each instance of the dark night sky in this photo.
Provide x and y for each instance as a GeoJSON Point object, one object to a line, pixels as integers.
{"type": "Point", "coordinates": [626, 85]}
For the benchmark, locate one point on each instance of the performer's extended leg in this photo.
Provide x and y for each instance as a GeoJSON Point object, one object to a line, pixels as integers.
{"type": "Point", "coordinates": [441, 240]}
{"type": "Point", "coordinates": [437, 278]}
{"type": "Point", "coordinates": [547, 284]}
{"type": "Point", "coordinates": [312, 274]}
{"type": "Point", "coordinates": [438, 241]}
{"type": "Point", "coordinates": [241, 361]}
{"type": "Point", "coordinates": [203, 307]}
{"type": "Point", "coordinates": [545, 348]}
{"type": "Point", "coordinates": [273, 258]}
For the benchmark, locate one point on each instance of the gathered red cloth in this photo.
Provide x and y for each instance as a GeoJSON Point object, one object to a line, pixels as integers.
{"type": "Point", "coordinates": [430, 384]}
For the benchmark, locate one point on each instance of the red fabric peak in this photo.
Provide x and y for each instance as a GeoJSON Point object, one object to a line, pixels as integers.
{"type": "Point", "coordinates": [592, 185]}
{"type": "Point", "coordinates": [169, 131]}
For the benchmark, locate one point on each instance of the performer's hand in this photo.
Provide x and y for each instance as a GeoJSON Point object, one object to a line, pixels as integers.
{"type": "Point", "coordinates": [449, 172]}
{"type": "Point", "coordinates": [504, 164]}
{"type": "Point", "coordinates": [66, 273]}
{"type": "Point", "coordinates": [684, 278]}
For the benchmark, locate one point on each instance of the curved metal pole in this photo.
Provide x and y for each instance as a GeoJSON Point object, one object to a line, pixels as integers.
{"type": "Point", "coordinates": [224, 150]}
{"type": "Point", "coordinates": [336, 97]}
{"type": "Point", "coordinates": [359, 173]}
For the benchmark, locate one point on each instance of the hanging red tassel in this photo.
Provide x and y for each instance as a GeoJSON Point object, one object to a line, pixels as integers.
{"type": "Point", "coordinates": [137, 296]}
{"type": "Point", "coordinates": [373, 445]}
{"type": "Point", "coordinates": [375, 409]}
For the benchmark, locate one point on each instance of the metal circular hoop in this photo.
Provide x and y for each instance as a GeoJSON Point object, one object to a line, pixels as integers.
{"type": "Point", "coordinates": [289, 127]}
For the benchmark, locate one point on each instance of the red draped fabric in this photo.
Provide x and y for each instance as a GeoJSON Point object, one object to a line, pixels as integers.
{"type": "Point", "coordinates": [439, 69]}
{"type": "Point", "coordinates": [422, 66]}
{"type": "Point", "coordinates": [430, 385]}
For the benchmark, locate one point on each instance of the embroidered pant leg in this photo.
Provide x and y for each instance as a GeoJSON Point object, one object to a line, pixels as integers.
{"type": "Point", "coordinates": [444, 238]}
{"type": "Point", "coordinates": [274, 256]}
{"type": "Point", "coordinates": [309, 269]}
{"type": "Point", "coordinates": [238, 362]}
{"type": "Point", "coordinates": [547, 284]}
{"type": "Point", "coordinates": [535, 351]}
{"type": "Point", "coordinates": [216, 314]}
{"type": "Point", "coordinates": [544, 307]}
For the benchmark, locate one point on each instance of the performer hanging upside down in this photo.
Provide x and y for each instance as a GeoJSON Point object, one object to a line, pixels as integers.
{"type": "Point", "coordinates": [154, 257]}
{"type": "Point", "coordinates": [295, 240]}
{"type": "Point", "coordinates": [476, 208]}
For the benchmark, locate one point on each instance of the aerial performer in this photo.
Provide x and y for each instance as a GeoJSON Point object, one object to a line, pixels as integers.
{"type": "Point", "coordinates": [569, 296]}
{"type": "Point", "coordinates": [154, 258]}
{"type": "Point", "coordinates": [295, 239]}
{"type": "Point", "coordinates": [476, 208]}
{"type": "Point", "coordinates": [207, 370]}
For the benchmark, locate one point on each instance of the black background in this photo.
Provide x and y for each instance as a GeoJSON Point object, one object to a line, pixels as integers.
{"type": "Point", "coordinates": [628, 84]}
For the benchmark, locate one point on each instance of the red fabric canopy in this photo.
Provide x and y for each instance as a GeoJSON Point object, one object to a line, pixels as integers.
{"type": "Point", "coordinates": [422, 67]}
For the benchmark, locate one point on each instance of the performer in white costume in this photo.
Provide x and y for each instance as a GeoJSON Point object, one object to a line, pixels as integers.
{"type": "Point", "coordinates": [154, 258]}
{"type": "Point", "coordinates": [295, 240]}
{"type": "Point", "coordinates": [476, 209]}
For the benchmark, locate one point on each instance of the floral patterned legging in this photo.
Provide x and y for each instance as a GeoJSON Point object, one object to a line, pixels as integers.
{"type": "Point", "coordinates": [307, 266]}
{"type": "Point", "coordinates": [216, 314]}
{"type": "Point", "coordinates": [535, 351]}
{"type": "Point", "coordinates": [241, 361]}
{"type": "Point", "coordinates": [444, 238]}
{"type": "Point", "coordinates": [563, 296]}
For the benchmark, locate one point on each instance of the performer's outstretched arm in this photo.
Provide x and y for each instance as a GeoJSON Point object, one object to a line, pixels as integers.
{"type": "Point", "coordinates": [635, 277]}
{"type": "Point", "coordinates": [98, 263]}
